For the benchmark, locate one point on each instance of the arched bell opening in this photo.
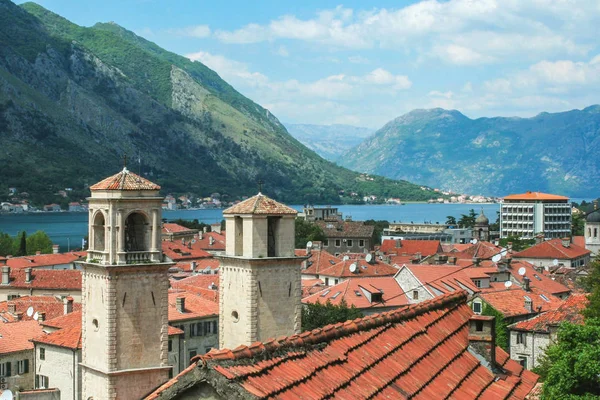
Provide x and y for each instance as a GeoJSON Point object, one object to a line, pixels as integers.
{"type": "Point", "coordinates": [136, 235]}
{"type": "Point", "coordinates": [99, 226]}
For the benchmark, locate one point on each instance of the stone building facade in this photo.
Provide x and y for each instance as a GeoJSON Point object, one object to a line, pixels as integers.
{"type": "Point", "coordinates": [592, 231]}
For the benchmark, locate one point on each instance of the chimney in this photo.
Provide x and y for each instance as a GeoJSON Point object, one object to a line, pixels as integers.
{"type": "Point", "coordinates": [528, 304]}
{"type": "Point", "coordinates": [509, 246]}
{"type": "Point", "coordinates": [476, 261]}
{"type": "Point", "coordinates": [496, 242]}
{"type": "Point", "coordinates": [5, 275]}
{"type": "Point", "coordinates": [38, 253]}
{"type": "Point", "coordinates": [539, 238]}
{"type": "Point", "coordinates": [452, 260]}
{"type": "Point", "coordinates": [68, 305]}
{"type": "Point", "coordinates": [180, 304]}
{"type": "Point", "coordinates": [566, 242]}
{"type": "Point", "coordinates": [55, 248]}
{"type": "Point", "coordinates": [41, 316]}
{"type": "Point", "coordinates": [19, 316]}
{"type": "Point", "coordinates": [211, 240]}
{"type": "Point", "coordinates": [526, 284]}
{"type": "Point", "coordinates": [27, 275]}
{"type": "Point", "coordinates": [308, 248]}
{"type": "Point", "coordinates": [205, 229]}
{"type": "Point", "coordinates": [193, 265]}
{"type": "Point", "coordinates": [398, 243]}
{"type": "Point", "coordinates": [12, 307]}
{"type": "Point", "coordinates": [482, 340]}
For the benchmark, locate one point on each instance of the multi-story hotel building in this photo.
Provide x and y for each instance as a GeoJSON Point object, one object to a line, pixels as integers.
{"type": "Point", "coordinates": [529, 214]}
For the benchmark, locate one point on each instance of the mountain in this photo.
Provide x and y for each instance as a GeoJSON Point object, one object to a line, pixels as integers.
{"type": "Point", "coordinates": [74, 100]}
{"type": "Point", "coordinates": [329, 141]}
{"type": "Point", "coordinates": [555, 153]}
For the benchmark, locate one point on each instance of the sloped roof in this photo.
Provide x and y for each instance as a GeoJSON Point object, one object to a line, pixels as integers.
{"type": "Point", "coordinates": [536, 279]}
{"type": "Point", "coordinates": [16, 336]}
{"type": "Point", "coordinates": [346, 229]}
{"type": "Point", "coordinates": [218, 241]}
{"type": "Point", "coordinates": [420, 352]}
{"type": "Point", "coordinates": [52, 306]}
{"type": "Point", "coordinates": [535, 196]}
{"type": "Point", "coordinates": [260, 204]}
{"type": "Point", "coordinates": [64, 321]}
{"type": "Point", "coordinates": [170, 227]}
{"type": "Point", "coordinates": [411, 247]}
{"type": "Point", "coordinates": [196, 306]}
{"type": "Point", "coordinates": [553, 249]}
{"type": "Point", "coordinates": [125, 180]}
{"type": "Point", "coordinates": [311, 286]}
{"type": "Point", "coordinates": [342, 269]}
{"type": "Point", "coordinates": [511, 302]}
{"type": "Point", "coordinates": [352, 291]}
{"type": "Point", "coordinates": [44, 260]}
{"type": "Point", "coordinates": [318, 261]}
{"type": "Point", "coordinates": [66, 279]}
{"type": "Point", "coordinates": [177, 251]}
{"type": "Point", "coordinates": [569, 311]}
{"type": "Point", "coordinates": [69, 337]}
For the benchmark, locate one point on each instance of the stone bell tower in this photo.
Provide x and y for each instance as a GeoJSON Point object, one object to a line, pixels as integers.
{"type": "Point", "coordinates": [124, 291]}
{"type": "Point", "coordinates": [481, 229]}
{"type": "Point", "coordinates": [260, 290]}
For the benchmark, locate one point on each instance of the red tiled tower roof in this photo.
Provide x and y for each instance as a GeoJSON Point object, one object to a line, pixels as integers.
{"type": "Point", "coordinates": [260, 204]}
{"type": "Point", "coordinates": [125, 180]}
{"type": "Point", "coordinates": [419, 352]}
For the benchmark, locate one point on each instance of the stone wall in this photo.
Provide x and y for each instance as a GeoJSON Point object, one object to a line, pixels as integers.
{"type": "Point", "coordinates": [16, 380]}
{"type": "Point", "coordinates": [533, 347]}
{"type": "Point", "coordinates": [409, 283]}
{"type": "Point", "coordinates": [61, 366]}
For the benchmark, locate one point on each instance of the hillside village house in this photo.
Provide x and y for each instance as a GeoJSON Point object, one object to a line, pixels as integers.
{"type": "Point", "coordinates": [550, 254]}
{"type": "Point", "coordinates": [33, 281]}
{"type": "Point", "coordinates": [346, 236]}
{"type": "Point", "coordinates": [16, 354]}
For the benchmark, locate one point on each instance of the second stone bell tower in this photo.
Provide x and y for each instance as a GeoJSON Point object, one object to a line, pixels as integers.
{"type": "Point", "coordinates": [124, 291]}
{"type": "Point", "coordinates": [260, 289]}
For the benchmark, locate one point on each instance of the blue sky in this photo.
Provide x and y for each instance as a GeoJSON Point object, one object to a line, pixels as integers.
{"type": "Point", "coordinates": [328, 62]}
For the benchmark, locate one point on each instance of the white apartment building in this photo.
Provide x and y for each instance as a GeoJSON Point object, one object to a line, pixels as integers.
{"type": "Point", "coordinates": [528, 214]}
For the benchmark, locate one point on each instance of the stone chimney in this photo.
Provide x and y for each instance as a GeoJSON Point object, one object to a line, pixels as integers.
{"type": "Point", "coordinates": [55, 249]}
{"type": "Point", "coordinates": [27, 275]}
{"type": "Point", "coordinates": [5, 275]}
{"type": "Point", "coordinates": [539, 238]}
{"type": "Point", "coordinates": [482, 340]}
{"type": "Point", "coordinates": [528, 304]}
{"type": "Point", "coordinates": [12, 307]}
{"type": "Point", "coordinates": [398, 243]}
{"type": "Point", "coordinates": [180, 304]}
{"type": "Point", "coordinates": [566, 242]}
{"type": "Point", "coordinates": [476, 261]}
{"type": "Point", "coordinates": [308, 248]}
{"type": "Point", "coordinates": [205, 229]}
{"type": "Point", "coordinates": [19, 316]}
{"type": "Point", "coordinates": [41, 316]}
{"type": "Point", "coordinates": [526, 284]}
{"type": "Point", "coordinates": [68, 305]}
{"type": "Point", "coordinates": [193, 266]}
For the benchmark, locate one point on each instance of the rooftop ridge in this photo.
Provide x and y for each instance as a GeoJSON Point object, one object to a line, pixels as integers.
{"type": "Point", "coordinates": [125, 180]}
{"type": "Point", "coordinates": [260, 204]}
{"type": "Point", "coordinates": [332, 331]}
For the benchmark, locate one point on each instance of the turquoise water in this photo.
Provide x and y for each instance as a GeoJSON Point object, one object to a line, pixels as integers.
{"type": "Point", "coordinates": [67, 229]}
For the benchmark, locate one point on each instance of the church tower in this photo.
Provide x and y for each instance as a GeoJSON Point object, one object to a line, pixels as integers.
{"type": "Point", "coordinates": [592, 231]}
{"type": "Point", "coordinates": [260, 291]}
{"type": "Point", "coordinates": [481, 229]}
{"type": "Point", "coordinates": [124, 291]}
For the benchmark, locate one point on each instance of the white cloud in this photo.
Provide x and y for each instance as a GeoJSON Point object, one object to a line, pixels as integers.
{"type": "Point", "coordinates": [358, 60]}
{"type": "Point", "coordinates": [197, 31]}
{"type": "Point", "coordinates": [460, 55]}
{"type": "Point", "coordinates": [282, 51]}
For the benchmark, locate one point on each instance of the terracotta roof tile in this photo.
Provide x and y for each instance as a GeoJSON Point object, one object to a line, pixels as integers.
{"type": "Point", "coordinates": [260, 204]}
{"type": "Point", "coordinates": [318, 261]}
{"type": "Point", "coordinates": [363, 269]}
{"type": "Point", "coordinates": [16, 336]}
{"type": "Point", "coordinates": [68, 337]}
{"type": "Point", "coordinates": [125, 180]}
{"type": "Point", "coordinates": [553, 249]}
{"type": "Point", "coordinates": [64, 321]}
{"type": "Point", "coordinates": [170, 227]}
{"type": "Point", "coordinates": [311, 286]}
{"type": "Point", "coordinates": [200, 285]}
{"type": "Point", "coordinates": [511, 302]}
{"type": "Point", "coordinates": [196, 306]}
{"type": "Point", "coordinates": [411, 247]}
{"type": "Point", "coordinates": [568, 311]}
{"type": "Point", "coordinates": [52, 306]}
{"type": "Point", "coordinates": [535, 196]}
{"type": "Point", "coordinates": [45, 260]}
{"type": "Point", "coordinates": [217, 243]}
{"type": "Point", "coordinates": [66, 279]}
{"type": "Point", "coordinates": [179, 251]}
{"type": "Point", "coordinates": [346, 229]}
{"type": "Point", "coordinates": [537, 279]}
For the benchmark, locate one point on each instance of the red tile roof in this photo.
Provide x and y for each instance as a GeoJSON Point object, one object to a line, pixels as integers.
{"type": "Point", "coordinates": [196, 306]}
{"type": "Point", "coordinates": [65, 279]}
{"type": "Point", "coordinates": [579, 241]}
{"type": "Point", "coordinates": [356, 292]}
{"type": "Point", "coordinates": [346, 229]}
{"type": "Point", "coordinates": [260, 204]}
{"type": "Point", "coordinates": [363, 268]}
{"type": "Point", "coordinates": [482, 250]}
{"type": "Point", "coordinates": [177, 251]}
{"type": "Point", "coordinates": [202, 264]}
{"type": "Point", "coordinates": [217, 243]}
{"type": "Point", "coordinates": [537, 279]}
{"type": "Point", "coordinates": [45, 260]}
{"type": "Point", "coordinates": [421, 351]}
{"type": "Point", "coordinates": [52, 306]}
{"type": "Point", "coordinates": [411, 247]}
{"type": "Point", "coordinates": [68, 337]}
{"type": "Point", "coordinates": [553, 249]}
{"type": "Point", "coordinates": [446, 278]}
{"type": "Point", "coordinates": [569, 311]}
{"type": "Point", "coordinates": [535, 196]}
{"type": "Point", "coordinates": [511, 302]}
{"type": "Point", "coordinates": [311, 286]}
{"type": "Point", "coordinates": [171, 331]}
{"type": "Point", "coordinates": [16, 336]}
{"type": "Point", "coordinates": [206, 286]}
{"type": "Point", "coordinates": [318, 261]}
{"type": "Point", "coordinates": [169, 227]}
{"type": "Point", "coordinates": [125, 180]}
{"type": "Point", "coordinates": [64, 321]}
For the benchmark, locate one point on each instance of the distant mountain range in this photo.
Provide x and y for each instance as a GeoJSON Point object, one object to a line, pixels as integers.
{"type": "Point", "coordinates": [556, 153]}
{"type": "Point", "coordinates": [329, 141]}
{"type": "Point", "coordinates": [74, 100]}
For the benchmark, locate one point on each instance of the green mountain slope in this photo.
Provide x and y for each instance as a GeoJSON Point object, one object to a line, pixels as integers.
{"type": "Point", "coordinates": [329, 141]}
{"type": "Point", "coordinates": [74, 99]}
{"type": "Point", "coordinates": [556, 153]}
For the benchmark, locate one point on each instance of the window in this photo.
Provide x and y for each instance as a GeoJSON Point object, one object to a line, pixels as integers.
{"type": "Point", "coordinates": [171, 373]}
{"type": "Point", "coordinates": [192, 354]}
{"type": "Point", "coordinates": [326, 281]}
{"type": "Point", "coordinates": [41, 382]}
{"type": "Point", "coordinates": [477, 308]}
{"type": "Point", "coordinates": [477, 282]}
{"type": "Point", "coordinates": [361, 243]}
{"type": "Point", "coordinates": [207, 349]}
{"type": "Point", "coordinates": [170, 345]}
{"type": "Point", "coordinates": [521, 338]}
{"type": "Point", "coordinates": [23, 366]}
{"type": "Point", "coordinates": [479, 326]}
{"type": "Point", "coordinates": [5, 369]}
{"type": "Point", "coordinates": [415, 295]}
{"type": "Point", "coordinates": [523, 361]}
{"type": "Point", "coordinates": [338, 242]}
{"type": "Point", "coordinates": [42, 353]}
{"type": "Point", "coordinates": [349, 242]}
{"type": "Point", "coordinates": [215, 329]}
{"type": "Point", "coordinates": [325, 242]}
{"type": "Point", "coordinates": [335, 281]}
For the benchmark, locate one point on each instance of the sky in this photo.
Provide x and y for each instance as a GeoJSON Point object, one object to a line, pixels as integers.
{"type": "Point", "coordinates": [323, 62]}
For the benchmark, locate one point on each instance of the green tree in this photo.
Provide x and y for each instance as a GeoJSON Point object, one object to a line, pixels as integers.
{"type": "Point", "coordinates": [571, 366]}
{"type": "Point", "coordinates": [307, 231]}
{"type": "Point", "coordinates": [20, 244]}
{"type": "Point", "coordinates": [378, 230]}
{"type": "Point", "coordinates": [577, 224]}
{"type": "Point", "coordinates": [518, 244]}
{"type": "Point", "coordinates": [6, 244]}
{"type": "Point", "coordinates": [502, 333]}
{"type": "Point", "coordinates": [318, 315]}
{"type": "Point", "coordinates": [468, 220]}
{"type": "Point", "coordinates": [591, 284]}
{"type": "Point", "coordinates": [450, 220]}
{"type": "Point", "coordinates": [39, 241]}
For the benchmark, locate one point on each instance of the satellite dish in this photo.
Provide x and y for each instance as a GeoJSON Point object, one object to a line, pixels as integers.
{"type": "Point", "coordinates": [30, 311]}
{"type": "Point", "coordinates": [496, 258]}
{"type": "Point", "coordinates": [522, 271]}
{"type": "Point", "coordinates": [474, 241]}
{"type": "Point", "coordinates": [353, 268]}
{"type": "Point", "coordinates": [193, 241]}
{"type": "Point", "coordinates": [507, 284]}
{"type": "Point", "coordinates": [346, 258]}
{"type": "Point", "coordinates": [6, 395]}
{"type": "Point", "coordinates": [369, 258]}
{"type": "Point", "coordinates": [555, 262]}
{"type": "Point", "coordinates": [36, 316]}
{"type": "Point", "coordinates": [504, 252]}
{"type": "Point", "coordinates": [309, 244]}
